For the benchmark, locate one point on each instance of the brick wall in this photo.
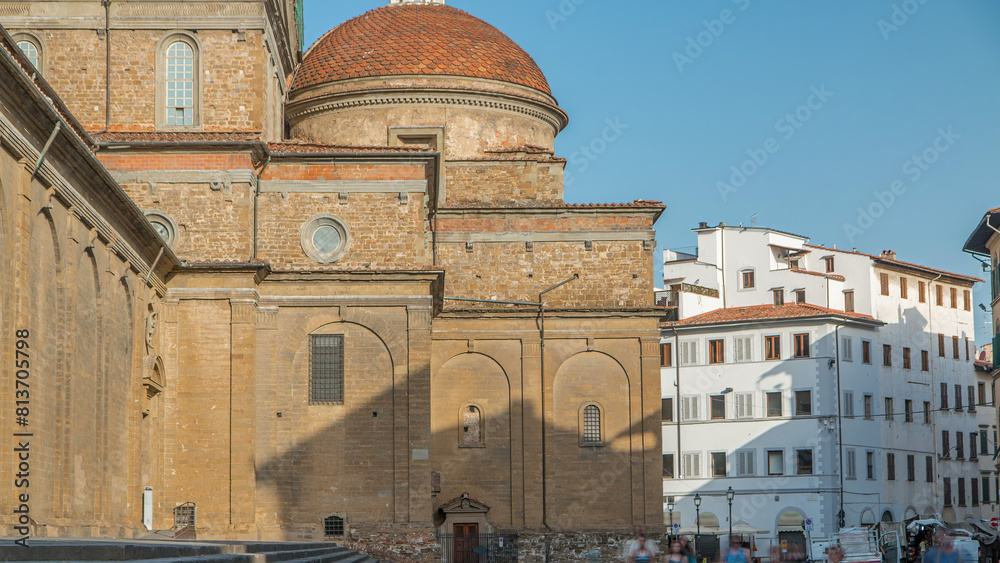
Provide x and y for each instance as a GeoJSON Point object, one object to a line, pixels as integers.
{"type": "Point", "coordinates": [505, 271]}
{"type": "Point", "coordinates": [525, 182]}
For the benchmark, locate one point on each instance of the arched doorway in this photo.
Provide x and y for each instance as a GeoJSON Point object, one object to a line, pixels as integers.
{"type": "Point", "coordinates": [791, 528]}
{"type": "Point", "coordinates": [867, 517]}
{"type": "Point", "coordinates": [708, 541]}
{"type": "Point", "coordinates": [910, 513]}
{"type": "Point", "coordinates": [887, 516]}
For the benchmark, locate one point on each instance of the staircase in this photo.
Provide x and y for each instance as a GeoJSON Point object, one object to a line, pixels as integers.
{"type": "Point", "coordinates": [98, 551]}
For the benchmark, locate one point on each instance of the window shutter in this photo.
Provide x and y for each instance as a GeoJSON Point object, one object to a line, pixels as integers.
{"type": "Point", "coordinates": [744, 405]}
{"type": "Point", "coordinates": [848, 403]}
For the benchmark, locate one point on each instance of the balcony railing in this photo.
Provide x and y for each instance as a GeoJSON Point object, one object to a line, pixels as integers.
{"type": "Point", "coordinates": [996, 351]}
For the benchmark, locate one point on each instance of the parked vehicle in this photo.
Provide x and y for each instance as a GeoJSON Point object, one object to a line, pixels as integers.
{"type": "Point", "coordinates": [967, 547]}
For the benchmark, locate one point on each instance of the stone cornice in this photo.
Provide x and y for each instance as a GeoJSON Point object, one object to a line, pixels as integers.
{"type": "Point", "coordinates": [444, 237]}
{"type": "Point", "coordinates": [552, 115]}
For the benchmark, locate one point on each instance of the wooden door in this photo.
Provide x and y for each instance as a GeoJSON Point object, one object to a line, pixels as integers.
{"type": "Point", "coordinates": [466, 541]}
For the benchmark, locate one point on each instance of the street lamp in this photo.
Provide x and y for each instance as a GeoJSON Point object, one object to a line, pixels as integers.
{"type": "Point", "coordinates": [697, 510]}
{"type": "Point", "coordinates": [729, 496]}
{"type": "Point", "coordinates": [670, 509]}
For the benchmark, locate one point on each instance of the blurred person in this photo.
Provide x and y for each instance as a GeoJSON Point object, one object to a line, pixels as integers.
{"type": "Point", "coordinates": [775, 555]}
{"type": "Point", "coordinates": [678, 553]}
{"type": "Point", "coordinates": [736, 552]}
{"type": "Point", "coordinates": [944, 550]}
{"type": "Point", "coordinates": [643, 551]}
{"type": "Point", "coordinates": [834, 554]}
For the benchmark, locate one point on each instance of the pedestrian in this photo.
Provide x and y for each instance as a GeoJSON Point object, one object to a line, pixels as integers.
{"type": "Point", "coordinates": [834, 554]}
{"type": "Point", "coordinates": [643, 551]}
{"type": "Point", "coordinates": [678, 553]}
{"type": "Point", "coordinates": [944, 550]}
{"type": "Point", "coordinates": [736, 552]}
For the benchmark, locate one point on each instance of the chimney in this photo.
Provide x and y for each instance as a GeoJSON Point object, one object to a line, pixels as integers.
{"type": "Point", "coordinates": [889, 254]}
{"type": "Point", "coordinates": [703, 225]}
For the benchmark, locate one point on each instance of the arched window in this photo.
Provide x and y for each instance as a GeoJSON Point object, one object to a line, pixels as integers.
{"type": "Point", "coordinates": [180, 84]}
{"type": "Point", "coordinates": [471, 427]}
{"type": "Point", "coordinates": [31, 46]}
{"type": "Point", "coordinates": [178, 88]}
{"type": "Point", "coordinates": [591, 425]}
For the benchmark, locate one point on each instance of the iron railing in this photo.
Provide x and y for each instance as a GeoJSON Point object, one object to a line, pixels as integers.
{"type": "Point", "coordinates": [478, 548]}
{"type": "Point", "coordinates": [185, 515]}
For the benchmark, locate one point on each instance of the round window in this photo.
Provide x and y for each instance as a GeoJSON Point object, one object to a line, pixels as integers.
{"type": "Point", "coordinates": [163, 225]}
{"type": "Point", "coordinates": [325, 238]}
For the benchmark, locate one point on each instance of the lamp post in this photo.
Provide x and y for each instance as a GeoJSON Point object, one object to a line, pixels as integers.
{"type": "Point", "coordinates": [697, 511]}
{"type": "Point", "coordinates": [670, 509]}
{"type": "Point", "coordinates": [729, 496]}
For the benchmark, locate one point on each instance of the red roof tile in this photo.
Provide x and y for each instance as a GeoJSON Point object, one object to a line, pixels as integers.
{"type": "Point", "coordinates": [639, 203]}
{"type": "Point", "coordinates": [417, 40]}
{"type": "Point", "coordinates": [193, 137]}
{"type": "Point", "coordinates": [766, 312]}
{"type": "Point", "coordinates": [883, 259]}
{"type": "Point", "coordinates": [312, 148]}
{"type": "Point", "coordinates": [831, 276]}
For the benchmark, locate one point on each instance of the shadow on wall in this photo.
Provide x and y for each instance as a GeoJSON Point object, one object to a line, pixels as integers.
{"type": "Point", "coordinates": [357, 464]}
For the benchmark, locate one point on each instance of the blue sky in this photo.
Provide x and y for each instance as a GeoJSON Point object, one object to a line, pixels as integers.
{"type": "Point", "coordinates": [787, 113]}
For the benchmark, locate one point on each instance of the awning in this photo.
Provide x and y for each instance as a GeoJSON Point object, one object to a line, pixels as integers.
{"type": "Point", "coordinates": [926, 522]}
{"type": "Point", "coordinates": [780, 529]}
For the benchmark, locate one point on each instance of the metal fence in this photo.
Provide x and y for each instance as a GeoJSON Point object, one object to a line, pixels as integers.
{"type": "Point", "coordinates": [478, 548]}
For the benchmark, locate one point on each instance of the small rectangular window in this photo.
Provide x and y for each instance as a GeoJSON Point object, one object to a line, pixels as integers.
{"type": "Point", "coordinates": [929, 469]}
{"type": "Point", "coordinates": [946, 489]}
{"type": "Point", "coordinates": [972, 398]}
{"type": "Point", "coordinates": [743, 349]}
{"type": "Point", "coordinates": [591, 424]}
{"type": "Point", "coordinates": [940, 345]}
{"type": "Point", "coordinates": [745, 466]}
{"type": "Point", "coordinates": [986, 489]}
{"type": "Point", "coordinates": [927, 412]}
{"type": "Point", "coordinates": [692, 465]}
{"type": "Point", "coordinates": [667, 410]}
{"type": "Point", "coordinates": [803, 403]}
{"type": "Point", "coordinates": [884, 281]}
{"type": "Point", "coordinates": [779, 297]}
{"type": "Point", "coordinates": [944, 396]}
{"type": "Point", "coordinates": [744, 405]}
{"type": "Point", "coordinates": [887, 355]}
{"type": "Point", "coordinates": [974, 483]}
{"type": "Point", "coordinates": [718, 407]}
{"type": "Point", "coordinates": [774, 404]}
{"type": "Point", "coordinates": [868, 407]}
{"type": "Point", "coordinates": [973, 452]}
{"type": "Point", "coordinates": [775, 462]}
{"type": "Point", "coordinates": [866, 351]}
{"type": "Point", "coordinates": [888, 408]}
{"type": "Point", "coordinates": [890, 466]}
{"type": "Point", "coordinates": [961, 491]}
{"type": "Point", "coordinates": [666, 354]}
{"type": "Point", "coordinates": [954, 347]}
{"type": "Point", "coordinates": [958, 397]}
{"type": "Point", "coordinates": [668, 466]}
{"type": "Point", "coordinates": [945, 444]}
{"type": "Point", "coordinates": [870, 464]}
{"type": "Point", "coordinates": [940, 295]}
{"type": "Point", "coordinates": [922, 291]}
{"type": "Point", "coordinates": [848, 404]}
{"type": "Point", "coordinates": [689, 353]}
{"type": "Point", "coordinates": [968, 300]}
{"type": "Point", "coordinates": [902, 288]}
{"type": "Point", "coordinates": [804, 462]}
{"type": "Point", "coordinates": [718, 464]}
{"type": "Point", "coordinates": [925, 360]}
{"type": "Point", "coordinates": [959, 446]}
{"type": "Point", "coordinates": [849, 301]}
{"type": "Point", "coordinates": [911, 467]}
{"type": "Point", "coordinates": [772, 347]}
{"type": "Point", "coordinates": [908, 410]}
{"type": "Point", "coordinates": [829, 263]}
{"type": "Point", "coordinates": [966, 348]}
{"type": "Point", "coordinates": [801, 345]}
{"type": "Point", "coordinates": [326, 369]}
{"type": "Point", "coordinates": [906, 358]}
{"type": "Point", "coordinates": [852, 462]}
{"type": "Point", "coordinates": [954, 298]}
{"type": "Point", "coordinates": [800, 296]}
{"type": "Point", "coordinates": [983, 442]}
{"type": "Point", "coordinates": [716, 351]}
{"type": "Point", "coordinates": [748, 279]}
{"type": "Point", "coordinates": [982, 392]}
{"type": "Point", "coordinates": [846, 353]}
{"type": "Point", "coordinates": [690, 408]}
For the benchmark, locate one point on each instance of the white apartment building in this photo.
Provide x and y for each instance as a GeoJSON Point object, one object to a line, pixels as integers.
{"type": "Point", "coordinates": [984, 244]}
{"type": "Point", "coordinates": [903, 438]}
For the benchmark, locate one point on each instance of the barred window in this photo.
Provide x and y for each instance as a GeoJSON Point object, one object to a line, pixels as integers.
{"type": "Point", "coordinates": [30, 50]}
{"type": "Point", "coordinates": [180, 84]}
{"type": "Point", "coordinates": [326, 369]}
{"type": "Point", "coordinates": [591, 424]}
{"type": "Point", "coordinates": [333, 526]}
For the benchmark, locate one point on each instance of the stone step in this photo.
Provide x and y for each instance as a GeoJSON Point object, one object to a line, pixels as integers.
{"type": "Point", "coordinates": [291, 555]}
{"type": "Point", "coordinates": [354, 557]}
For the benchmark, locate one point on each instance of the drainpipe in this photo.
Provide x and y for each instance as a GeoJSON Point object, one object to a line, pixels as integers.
{"type": "Point", "coordinates": [107, 66]}
{"type": "Point", "coordinates": [930, 362]}
{"type": "Point", "coordinates": [677, 394]}
{"type": "Point", "coordinates": [256, 198]}
{"type": "Point", "coordinates": [45, 149]}
{"type": "Point", "coordinates": [840, 419]}
{"type": "Point", "coordinates": [541, 332]}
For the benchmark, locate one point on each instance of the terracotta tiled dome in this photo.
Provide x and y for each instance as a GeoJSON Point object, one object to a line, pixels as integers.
{"type": "Point", "coordinates": [417, 39]}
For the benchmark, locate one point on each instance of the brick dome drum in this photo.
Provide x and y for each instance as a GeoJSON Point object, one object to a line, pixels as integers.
{"type": "Point", "coordinates": [417, 39]}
